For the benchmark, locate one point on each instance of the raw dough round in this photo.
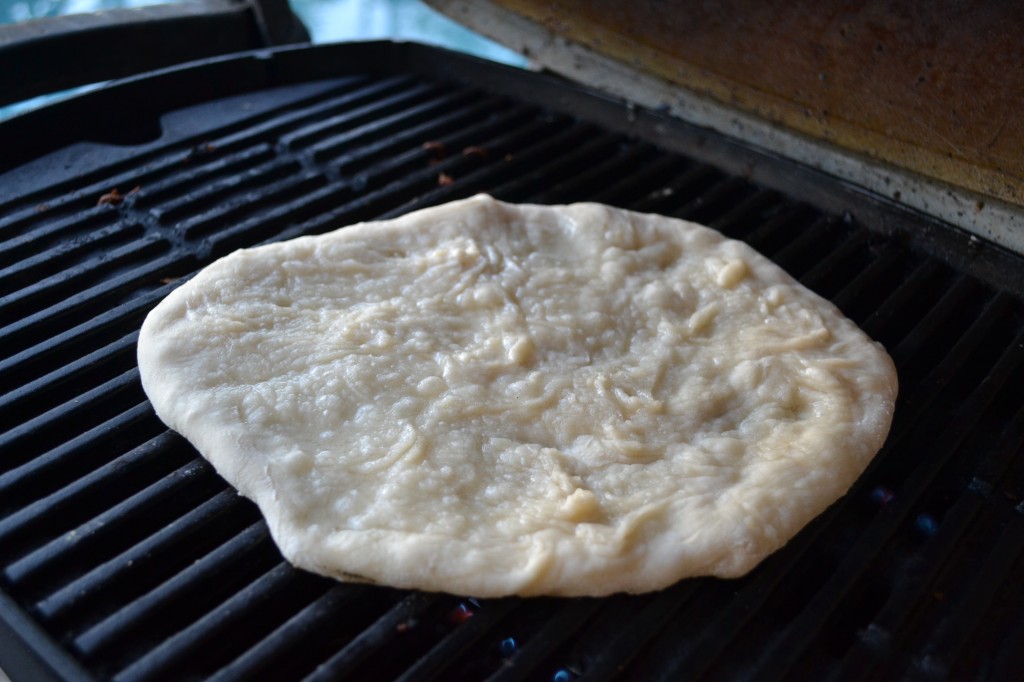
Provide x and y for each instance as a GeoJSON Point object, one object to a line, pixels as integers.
{"type": "Point", "coordinates": [491, 399]}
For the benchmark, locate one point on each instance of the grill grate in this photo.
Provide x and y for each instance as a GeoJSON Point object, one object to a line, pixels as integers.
{"type": "Point", "coordinates": [138, 563]}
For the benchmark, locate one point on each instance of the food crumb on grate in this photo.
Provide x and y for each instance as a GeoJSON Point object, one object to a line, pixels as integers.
{"type": "Point", "coordinates": [114, 197]}
{"type": "Point", "coordinates": [201, 149]}
{"type": "Point", "coordinates": [435, 150]}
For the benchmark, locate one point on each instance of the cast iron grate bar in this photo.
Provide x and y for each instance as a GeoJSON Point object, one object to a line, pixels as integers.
{"type": "Point", "coordinates": [915, 354]}
{"type": "Point", "coordinates": [570, 164]}
{"type": "Point", "coordinates": [377, 635]}
{"type": "Point", "coordinates": [53, 289]}
{"type": "Point", "coordinates": [713, 633]}
{"type": "Point", "coordinates": [806, 247]}
{"type": "Point", "coordinates": [36, 327]}
{"type": "Point", "coordinates": [442, 656]}
{"type": "Point", "coordinates": [166, 191]}
{"type": "Point", "coordinates": [294, 634]}
{"type": "Point", "coordinates": [991, 471]}
{"type": "Point", "coordinates": [58, 513]}
{"type": "Point", "coordinates": [180, 600]}
{"type": "Point", "coordinates": [163, 159]}
{"type": "Point", "coordinates": [612, 161]}
{"type": "Point", "coordinates": [155, 165]}
{"type": "Point", "coordinates": [691, 182]}
{"type": "Point", "coordinates": [222, 192]}
{"type": "Point", "coordinates": [541, 137]}
{"type": "Point", "coordinates": [99, 366]}
{"type": "Point", "coordinates": [351, 149]}
{"type": "Point", "coordinates": [244, 205]}
{"type": "Point", "coordinates": [268, 222]}
{"type": "Point", "coordinates": [186, 653]}
{"type": "Point", "coordinates": [396, 100]}
{"type": "Point", "coordinates": [512, 157]}
{"type": "Point", "coordinates": [862, 295]}
{"type": "Point", "coordinates": [630, 188]}
{"type": "Point", "coordinates": [144, 567]}
{"type": "Point", "coordinates": [788, 646]}
{"type": "Point", "coordinates": [753, 210]}
{"type": "Point", "coordinates": [46, 261]}
{"type": "Point", "coordinates": [925, 584]}
{"type": "Point", "coordinates": [86, 409]}
{"type": "Point", "coordinates": [23, 484]}
{"type": "Point", "coordinates": [541, 641]}
{"type": "Point", "coordinates": [1005, 630]}
{"type": "Point", "coordinates": [893, 319]}
{"type": "Point", "coordinates": [38, 359]}
{"type": "Point", "coordinates": [928, 650]}
{"type": "Point", "coordinates": [620, 620]}
{"type": "Point", "coordinates": [931, 395]}
{"type": "Point", "coordinates": [793, 220]}
{"type": "Point", "coordinates": [994, 578]}
{"type": "Point", "coordinates": [109, 532]}
{"type": "Point", "coordinates": [463, 115]}
{"type": "Point", "coordinates": [612, 653]}
{"type": "Point", "coordinates": [405, 165]}
{"type": "Point", "coordinates": [830, 272]}
{"type": "Point", "coordinates": [144, 563]}
{"type": "Point", "coordinates": [627, 192]}
{"type": "Point", "coordinates": [169, 560]}
{"type": "Point", "coordinates": [711, 203]}
{"type": "Point", "coordinates": [266, 225]}
{"type": "Point", "coordinates": [45, 231]}
{"type": "Point", "coordinates": [273, 128]}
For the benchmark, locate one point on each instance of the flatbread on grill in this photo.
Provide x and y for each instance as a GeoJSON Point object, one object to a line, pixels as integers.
{"type": "Point", "coordinates": [491, 399]}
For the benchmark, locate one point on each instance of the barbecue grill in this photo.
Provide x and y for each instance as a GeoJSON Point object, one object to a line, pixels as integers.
{"type": "Point", "coordinates": [123, 556]}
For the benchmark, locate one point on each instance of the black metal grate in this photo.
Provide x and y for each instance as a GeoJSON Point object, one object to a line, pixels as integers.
{"type": "Point", "coordinates": [138, 563]}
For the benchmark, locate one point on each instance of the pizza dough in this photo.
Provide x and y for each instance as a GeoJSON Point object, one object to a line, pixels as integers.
{"type": "Point", "coordinates": [491, 399]}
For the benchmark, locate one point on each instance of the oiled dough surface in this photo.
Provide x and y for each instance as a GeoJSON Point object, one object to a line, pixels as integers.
{"type": "Point", "coordinates": [490, 399]}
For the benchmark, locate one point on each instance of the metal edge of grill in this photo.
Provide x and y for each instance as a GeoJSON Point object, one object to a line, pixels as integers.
{"type": "Point", "coordinates": [311, 159]}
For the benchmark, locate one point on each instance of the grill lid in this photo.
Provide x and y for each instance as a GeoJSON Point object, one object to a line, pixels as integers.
{"type": "Point", "coordinates": [912, 105]}
{"type": "Point", "coordinates": [123, 556]}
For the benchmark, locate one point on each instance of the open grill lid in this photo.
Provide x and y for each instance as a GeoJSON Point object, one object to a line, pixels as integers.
{"type": "Point", "coordinates": [123, 556]}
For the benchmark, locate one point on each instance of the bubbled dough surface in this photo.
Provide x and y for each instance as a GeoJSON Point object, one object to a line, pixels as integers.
{"type": "Point", "coordinates": [491, 399]}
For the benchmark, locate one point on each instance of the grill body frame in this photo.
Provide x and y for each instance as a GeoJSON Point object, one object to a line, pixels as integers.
{"type": "Point", "coordinates": [198, 127]}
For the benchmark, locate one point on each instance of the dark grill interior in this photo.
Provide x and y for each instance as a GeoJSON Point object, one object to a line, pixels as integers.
{"type": "Point", "coordinates": [136, 562]}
